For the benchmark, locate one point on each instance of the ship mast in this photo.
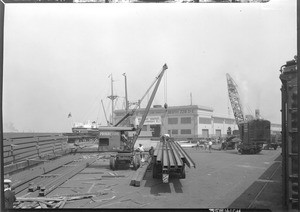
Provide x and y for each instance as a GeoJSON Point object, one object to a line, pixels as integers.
{"type": "Point", "coordinates": [112, 98]}
{"type": "Point", "coordinates": [126, 97]}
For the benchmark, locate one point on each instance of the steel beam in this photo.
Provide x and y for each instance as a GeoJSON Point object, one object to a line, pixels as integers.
{"type": "Point", "coordinates": [60, 180]}
{"type": "Point", "coordinates": [177, 155]}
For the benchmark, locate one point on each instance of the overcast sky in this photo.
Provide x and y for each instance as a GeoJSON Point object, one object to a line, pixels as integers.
{"type": "Point", "coordinates": [57, 58]}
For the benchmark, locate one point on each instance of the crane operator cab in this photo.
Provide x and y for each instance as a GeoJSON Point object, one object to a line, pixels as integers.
{"type": "Point", "coordinates": [114, 139]}
{"type": "Point", "coordinates": [118, 140]}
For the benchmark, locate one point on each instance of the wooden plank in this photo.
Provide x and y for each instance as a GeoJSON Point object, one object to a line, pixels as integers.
{"type": "Point", "coordinates": [39, 199]}
{"type": "Point", "coordinates": [142, 171]}
{"type": "Point", "coordinates": [134, 177]}
{"type": "Point", "coordinates": [24, 139]}
{"type": "Point", "coordinates": [63, 203]}
{"type": "Point", "coordinates": [8, 142]}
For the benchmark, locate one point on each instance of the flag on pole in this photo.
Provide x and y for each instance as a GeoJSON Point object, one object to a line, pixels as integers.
{"type": "Point", "coordinates": [70, 115]}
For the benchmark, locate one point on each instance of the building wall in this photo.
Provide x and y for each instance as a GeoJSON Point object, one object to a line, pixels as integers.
{"type": "Point", "coordinates": [184, 122]}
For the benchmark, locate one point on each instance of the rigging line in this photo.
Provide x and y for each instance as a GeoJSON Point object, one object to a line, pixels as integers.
{"type": "Point", "coordinates": [98, 114]}
{"type": "Point", "coordinates": [165, 88]}
{"type": "Point", "coordinates": [90, 109]}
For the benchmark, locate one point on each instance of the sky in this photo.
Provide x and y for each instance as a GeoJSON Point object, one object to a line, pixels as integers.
{"type": "Point", "coordinates": [58, 58]}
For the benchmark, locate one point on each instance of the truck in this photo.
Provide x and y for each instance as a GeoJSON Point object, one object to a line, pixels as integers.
{"type": "Point", "coordinates": [253, 132]}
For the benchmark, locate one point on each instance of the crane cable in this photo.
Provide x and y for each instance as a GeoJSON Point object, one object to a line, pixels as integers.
{"type": "Point", "coordinates": [166, 88]}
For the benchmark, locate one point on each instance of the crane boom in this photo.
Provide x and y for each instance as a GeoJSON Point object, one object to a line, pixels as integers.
{"type": "Point", "coordinates": [105, 113]}
{"type": "Point", "coordinates": [235, 100]}
{"type": "Point", "coordinates": [139, 128]}
{"type": "Point", "coordinates": [130, 113]}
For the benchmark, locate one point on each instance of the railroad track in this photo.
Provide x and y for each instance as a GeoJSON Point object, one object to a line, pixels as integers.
{"type": "Point", "coordinates": [252, 203]}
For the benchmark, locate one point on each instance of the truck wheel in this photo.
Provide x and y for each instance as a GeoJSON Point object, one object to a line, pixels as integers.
{"type": "Point", "coordinates": [154, 171]}
{"type": "Point", "coordinates": [275, 147]}
{"type": "Point", "coordinates": [183, 174]}
{"type": "Point", "coordinates": [112, 163]}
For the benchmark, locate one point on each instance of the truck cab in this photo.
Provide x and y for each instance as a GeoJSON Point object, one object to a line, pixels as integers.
{"type": "Point", "coordinates": [113, 139]}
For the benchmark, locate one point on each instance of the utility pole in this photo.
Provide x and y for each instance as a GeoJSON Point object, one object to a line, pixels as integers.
{"type": "Point", "coordinates": [191, 98]}
{"type": "Point", "coordinates": [112, 98]}
{"type": "Point", "coordinates": [126, 97]}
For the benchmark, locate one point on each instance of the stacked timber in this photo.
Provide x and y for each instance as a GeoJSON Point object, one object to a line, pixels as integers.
{"type": "Point", "coordinates": [22, 151]}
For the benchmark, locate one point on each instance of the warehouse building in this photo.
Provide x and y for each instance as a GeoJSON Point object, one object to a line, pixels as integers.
{"type": "Point", "coordinates": [181, 122]}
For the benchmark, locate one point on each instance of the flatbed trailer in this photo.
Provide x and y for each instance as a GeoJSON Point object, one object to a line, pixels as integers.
{"type": "Point", "coordinates": [169, 158]}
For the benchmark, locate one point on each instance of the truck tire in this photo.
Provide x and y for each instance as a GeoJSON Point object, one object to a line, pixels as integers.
{"type": "Point", "coordinates": [183, 174]}
{"type": "Point", "coordinates": [154, 171]}
{"type": "Point", "coordinates": [112, 163]}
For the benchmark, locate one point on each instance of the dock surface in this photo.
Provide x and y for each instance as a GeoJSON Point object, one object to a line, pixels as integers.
{"type": "Point", "coordinates": [221, 179]}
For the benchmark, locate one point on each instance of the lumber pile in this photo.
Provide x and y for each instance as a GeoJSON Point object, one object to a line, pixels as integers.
{"type": "Point", "coordinates": [52, 202]}
{"type": "Point", "coordinates": [23, 151]}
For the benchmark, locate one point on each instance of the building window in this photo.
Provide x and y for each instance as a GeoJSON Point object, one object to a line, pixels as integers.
{"type": "Point", "coordinates": [186, 131]}
{"type": "Point", "coordinates": [144, 128]}
{"type": "Point", "coordinates": [205, 133]}
{"type": "Point", "coordinates": [229, 121]}
{"type": "Point", "coordinates": [204, 120]}
{"type": "Point", "coordinates": [172, 120]}
{"type": "Point", "coordinates": [218, 120]}
{"type": "Point", "coordinates": [218, 133]}
{"type": "Point", "coordinates": [175, 132]}
{"type": "Point", "coordinates": [186, 120]}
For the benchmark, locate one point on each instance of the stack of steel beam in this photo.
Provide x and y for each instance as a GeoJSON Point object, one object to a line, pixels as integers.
{"type": "Point", "coordinates": [170, 155]}
{"type": "Point", "coordinates": [50, 185]}
{"type": "Point", "coordinates": [20, 181]}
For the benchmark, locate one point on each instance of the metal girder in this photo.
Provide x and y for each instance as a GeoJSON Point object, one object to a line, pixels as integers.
{"type": "Point", "coordinates": [187, 159]}
{"type": "Point", "coordinates": [60, 180]}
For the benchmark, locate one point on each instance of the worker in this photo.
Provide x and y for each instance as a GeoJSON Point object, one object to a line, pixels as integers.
{"type": "Point", "coordinates": [209, 145]}
{"type": "Point", "coordinates": [141, 150]}
{"type": "Point", "coordinates": [124, 139]}
{"type": "Point", "coordinates": [198, 144]}
{"type": "Point", "coordinates": [151, 151]}
{"type": "Point", "coordinates": [9, 196]}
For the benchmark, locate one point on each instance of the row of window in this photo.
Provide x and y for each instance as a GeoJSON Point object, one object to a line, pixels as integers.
{"type": "Point", "coordinates": [182, 132]}
{"type": "Point", "coordinates": [188, 120]}
{"type": "Point", "coordinates": [183, 120]}
{"type": "Point", "coordinates": [189, 131]}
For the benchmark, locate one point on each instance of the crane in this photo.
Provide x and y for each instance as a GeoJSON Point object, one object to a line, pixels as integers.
{"type": "Point", "coordinates": [235, 100]}
{"type": "Point", "coordinates": [127, 155]}
{"type": "Point", "coordinates": [252, 133]}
